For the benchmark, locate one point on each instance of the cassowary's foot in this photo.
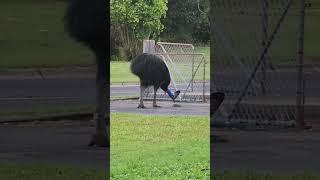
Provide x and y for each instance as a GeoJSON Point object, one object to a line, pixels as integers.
{"type": "Point", "coordinates": [99, 140]}
{"type": "Point", "coordinates": [176, 94]}
{"type": "Point", "coordinates": [141, 106]}
{"type": "Point", "coordinates": [156, 106]}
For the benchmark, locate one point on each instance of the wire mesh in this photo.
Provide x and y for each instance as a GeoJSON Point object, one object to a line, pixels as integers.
{"type": "Point", "coordinates": [255, 55]}
{"type": "Point", "coordinates": [187, 71]}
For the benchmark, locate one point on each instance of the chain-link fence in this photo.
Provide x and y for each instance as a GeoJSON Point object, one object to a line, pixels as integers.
{"type": "Point", "coordinates": [187, 69]}
{"type": "Point", "coordinates": [258, 61]}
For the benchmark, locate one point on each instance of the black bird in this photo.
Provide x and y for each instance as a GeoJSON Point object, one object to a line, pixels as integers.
{"type": "Point", "coordinates": [152, 71]}
{"type": "Point", "coordinates": [87, 22]}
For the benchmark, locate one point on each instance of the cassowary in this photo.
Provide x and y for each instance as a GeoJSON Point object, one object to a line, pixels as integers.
{"type": "Point", "coordinates": [152, 71]}
{"type": "Point", "coordinates": [87, 21]}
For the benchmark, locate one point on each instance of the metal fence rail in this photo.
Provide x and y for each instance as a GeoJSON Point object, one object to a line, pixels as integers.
{"type": "Point", "coordinates": [255, 41]}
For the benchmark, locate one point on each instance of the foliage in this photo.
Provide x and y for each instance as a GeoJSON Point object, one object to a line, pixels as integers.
{"type": "Point", "coordinates": [135, 20]}
{"type": "Point", "coordinates": [185, 22]}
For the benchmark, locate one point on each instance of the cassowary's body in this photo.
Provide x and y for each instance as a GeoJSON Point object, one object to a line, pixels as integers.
{"type": "Point", "coordinates": [87, 22]}
{"type": "Point", "coordinates": [152, 71]}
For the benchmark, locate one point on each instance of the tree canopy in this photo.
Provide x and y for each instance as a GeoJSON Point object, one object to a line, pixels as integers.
{"type": "Point", "coordinates": [141, 16]}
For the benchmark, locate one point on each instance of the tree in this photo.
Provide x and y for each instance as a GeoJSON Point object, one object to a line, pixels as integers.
{"type": "Point", "coordinates": [185, 22]}
{"type": "Point", "coordinates": [136, 20]}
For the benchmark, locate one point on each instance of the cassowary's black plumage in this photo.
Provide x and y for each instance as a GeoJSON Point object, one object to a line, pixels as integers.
{"type": "Point", "coordinates": [87, 22]}
{"type": "Point", "coordinates": [152, 71]}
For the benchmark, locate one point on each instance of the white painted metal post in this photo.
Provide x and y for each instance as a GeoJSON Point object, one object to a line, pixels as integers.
{"type": "Point", "coordinates": [149, 46]}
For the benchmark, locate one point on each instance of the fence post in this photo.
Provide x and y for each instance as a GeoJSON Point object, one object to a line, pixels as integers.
{"type": "Point", "coordinates": [265, 22]}
{"type": "Point", "coordinates": [204, 80]}
{"type": "Point", "coordinates": [149, 46]}
{"type": "Point", "coordinates": [300, 62]}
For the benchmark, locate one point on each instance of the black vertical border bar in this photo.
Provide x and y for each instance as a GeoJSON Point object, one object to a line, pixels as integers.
{"type": "Point", "coordinates": [108, 50]}
{"type": "Point", "coordinates": [210, 17]}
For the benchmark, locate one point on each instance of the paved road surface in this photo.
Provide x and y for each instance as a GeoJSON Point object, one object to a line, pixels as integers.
{"type": "Point", "coordinates": [62, 143]}
{"type": "Point", "coordinates": [24, 93]}
{"type": "Point", "coordinates": [279, 152]}
{"type": "Point", "coordinates": [27, 92]}
{"type": "Point", "coordinates": [166, 108]}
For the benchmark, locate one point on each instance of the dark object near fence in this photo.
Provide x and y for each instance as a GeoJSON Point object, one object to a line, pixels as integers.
{"type": "Point", "coordinates": [216, 100]}
{"type": "Point", "coordinates": [87, 22]}
{"type": "Point", "coordinates": [152, 71]}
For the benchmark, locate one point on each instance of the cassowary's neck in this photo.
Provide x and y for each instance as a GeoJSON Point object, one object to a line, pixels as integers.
{"type": "Point", "coordinates": [102, 68]}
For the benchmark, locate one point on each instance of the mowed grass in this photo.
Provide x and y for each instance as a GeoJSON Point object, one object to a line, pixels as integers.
{"type": "Point", "coordinates": [120, 73]}
{"type": "Point", "coordinates": [48, 172]}
{"type": "Point", "coordinates": [33, 36]}
{"type": "Point", "coordinates": [159, 147]}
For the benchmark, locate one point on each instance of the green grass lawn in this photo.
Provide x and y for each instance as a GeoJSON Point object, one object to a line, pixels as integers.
{"type": "Point", "coordinates": [120, 72]}
{"type": "Point", "coordinates": [46, 172]}
{"type": "Point", "coordinates": [54, 172]}
{"type": "Point", "coordinates": [32, 35]}
{"type": "Point", "coordinates": [159, 147]}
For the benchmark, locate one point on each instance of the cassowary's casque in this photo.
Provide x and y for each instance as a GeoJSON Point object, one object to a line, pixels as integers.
{"type": "Point", "coordinates": [152, 71]}
{"type": "Point", "coordinates": [87, 22]}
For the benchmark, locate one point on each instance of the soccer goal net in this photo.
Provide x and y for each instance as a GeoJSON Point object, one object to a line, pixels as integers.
{"type": "Point", "coordinates": [187, 68]}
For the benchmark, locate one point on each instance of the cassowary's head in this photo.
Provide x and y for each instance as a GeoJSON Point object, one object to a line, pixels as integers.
{"type": "Point", "coordinates": [164, 86]}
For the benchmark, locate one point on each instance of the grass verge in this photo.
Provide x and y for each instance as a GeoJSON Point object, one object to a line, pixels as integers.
{"type": "Point", "coordinates": [159, 147]}
{"type": "Point", "coordinates": [43, 42]}
{"type": "Point", "coordinates": [46, 172]}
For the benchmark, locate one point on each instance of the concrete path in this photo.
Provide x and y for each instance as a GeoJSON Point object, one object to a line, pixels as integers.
{"type": "Point", "coordinates": [130, 106]}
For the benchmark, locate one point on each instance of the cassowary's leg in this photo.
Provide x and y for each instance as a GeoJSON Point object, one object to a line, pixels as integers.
{"type": "Point", "coordinates": [102, 118]}
{"type": "Point", "coordinates": [142, 89]}
{"type": "Point", "coordinates": [155, 89]}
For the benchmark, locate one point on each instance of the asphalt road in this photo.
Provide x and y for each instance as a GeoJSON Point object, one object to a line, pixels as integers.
{"type": "Point", "coordinates": [267, 151]}
{"type": "Point", "coordinates": [28, 93]}
{"type": "Point", "coordinates": [62, 143]}
{"type": "Point", "coordinates": [19, 92]}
